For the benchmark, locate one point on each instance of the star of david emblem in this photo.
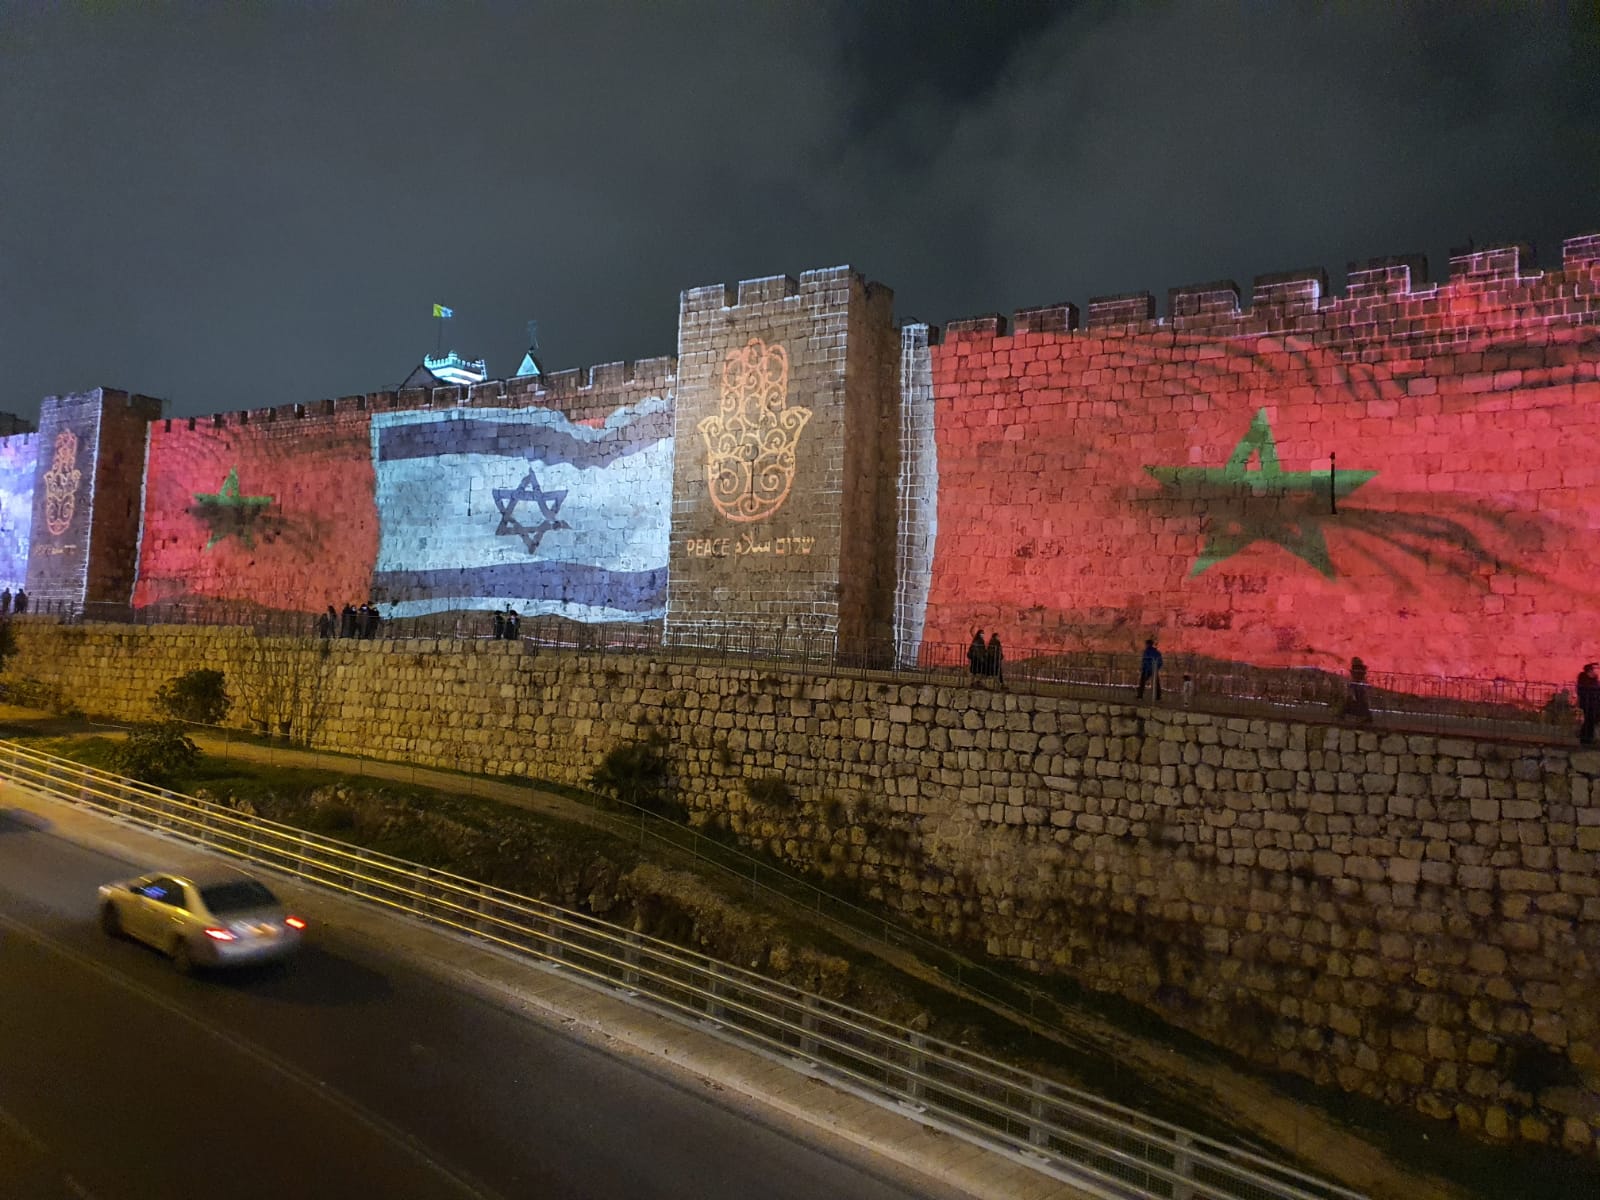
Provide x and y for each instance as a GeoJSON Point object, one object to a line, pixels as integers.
{"type": "Point", "coordinates": [1296, 502]}
{"type": "Point", "coordinates": [227, 513]}
{"type": "Point", "coordinates": [548, 503]}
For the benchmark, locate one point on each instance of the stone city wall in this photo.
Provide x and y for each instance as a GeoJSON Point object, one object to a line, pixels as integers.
{"type": "Point", "coordinates": [1412, 918]}
{"type": "Point", "coordinates": [1401, 472]}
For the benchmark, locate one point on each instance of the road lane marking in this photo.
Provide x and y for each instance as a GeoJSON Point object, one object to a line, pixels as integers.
{"type": "Point", "coordinates": [34, 1142]}
{"type": "Point", "coordinates": [384, 1129]}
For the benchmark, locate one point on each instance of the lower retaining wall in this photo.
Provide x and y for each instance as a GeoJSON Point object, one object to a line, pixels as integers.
{"type": "Point", "coordinates": [1413, 918]}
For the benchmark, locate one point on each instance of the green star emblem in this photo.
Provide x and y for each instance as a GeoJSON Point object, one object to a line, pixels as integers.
{"type": "Point", "coordinates": [227, 513]}
{"type": "Point", "coordinates": [1264, 504]}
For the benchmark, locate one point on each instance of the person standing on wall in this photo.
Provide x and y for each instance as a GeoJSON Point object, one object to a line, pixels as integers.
{"type": "Point", "coordinates": [1356, 706]}
{"type": "Point", "coordinates": [513, 626]}
{"type": "Point", "coordinates": [977, 653]}
{"type": "Point", "coordinates": [1150, 668]}
{"type": "Point", "coordinates": [5, 602]}
{"type": "Point", "coordinates": [995, 659]}
{"type": "Point", "coordinates": [325, 624]}
{"type": "Point", "coordinates": [499, 625]}
{"type": "Point", "coordinates": [1588, 703]}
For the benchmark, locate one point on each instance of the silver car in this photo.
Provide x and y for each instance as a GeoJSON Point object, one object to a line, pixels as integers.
{"type": "Point", "coordinates": [220, 920]}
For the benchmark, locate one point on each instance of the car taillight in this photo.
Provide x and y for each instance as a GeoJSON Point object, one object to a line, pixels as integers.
{"type": "Point", "coordinates": [294, 922]}
{"type": "Point", "coordinates": [220, 935]}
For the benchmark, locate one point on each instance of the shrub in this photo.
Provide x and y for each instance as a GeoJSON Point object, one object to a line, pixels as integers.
{"type": "Point", "coordinates": [1559, 709]}
{"type": "Point", "coordinates": [635, 773]}
{"type": "Point", "coordinates": [156, 754]}
{"type": "Point", "coordinates": [200, 697]}
{"type": "Point", "coordinates": [28, 692]}
{"type": "Point", "coordinates": [772, 790]}
{"type": "Point", "coordinates": [832, 810]}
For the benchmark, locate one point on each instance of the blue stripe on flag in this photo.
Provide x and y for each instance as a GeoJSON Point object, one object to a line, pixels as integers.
{"type": "Point", "coordinates": [537, 443]}
{"type": "Point", "coordinates": [538, 583]}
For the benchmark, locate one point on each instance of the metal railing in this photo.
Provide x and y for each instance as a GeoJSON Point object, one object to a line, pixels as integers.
{"type": "Point", "coordinates": [1529, 710]}
{"type": "Point", "coordinates": [1106, 1150]}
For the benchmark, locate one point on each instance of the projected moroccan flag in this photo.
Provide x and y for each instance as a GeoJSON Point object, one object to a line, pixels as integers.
{"type": "Point", "coordinates": [487, 507]}
{"type": "Point", "coordinates": [1267, 501]}
{"type": "Point", "coordinates": [275, 514]}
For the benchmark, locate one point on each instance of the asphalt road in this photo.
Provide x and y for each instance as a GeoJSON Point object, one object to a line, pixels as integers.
{"type": "Point", "coordinates": [345, 1073]}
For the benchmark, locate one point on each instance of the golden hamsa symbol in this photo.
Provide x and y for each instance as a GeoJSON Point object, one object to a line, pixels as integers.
{"type": "Point", "coordinates": [61, 483]}
{"type": "Point", "coordinates": [750, 443]}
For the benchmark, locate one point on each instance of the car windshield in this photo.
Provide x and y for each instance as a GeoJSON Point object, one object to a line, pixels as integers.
{"type": "Point", "coordinates": [236, 897]}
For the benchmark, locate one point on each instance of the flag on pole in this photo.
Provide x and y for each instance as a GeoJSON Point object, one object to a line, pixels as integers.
{"type": "Point", "coordinates": [440, 310]}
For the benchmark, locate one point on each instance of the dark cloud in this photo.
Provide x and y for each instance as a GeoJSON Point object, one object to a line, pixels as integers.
{"type": "Point", "coordinates": [231, 206]}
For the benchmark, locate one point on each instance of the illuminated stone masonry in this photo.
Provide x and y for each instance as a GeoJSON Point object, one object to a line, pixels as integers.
{"type": "Point", "coordinates": [778, 505]}
{"type": "Point", "coordinates": [1403, 473]}
{"type": "Point", "coordinates": [1400, 473]}
{"type": "Point", "coordinates": [89, 473]}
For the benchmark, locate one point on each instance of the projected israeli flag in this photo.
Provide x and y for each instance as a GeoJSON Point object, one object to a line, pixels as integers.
{"type": "Point", "coordinates": [481, 508]}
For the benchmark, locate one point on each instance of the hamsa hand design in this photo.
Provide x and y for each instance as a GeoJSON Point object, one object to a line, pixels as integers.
{"type": "Point", "coordinates": [61, 484]}
{"type": "Point", "coordinates": [751, 441]}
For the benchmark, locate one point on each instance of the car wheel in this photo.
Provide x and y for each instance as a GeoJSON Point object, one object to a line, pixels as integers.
{"type": "Point", "coordinates": [182, 959]}
{"type": "Point", "coordinates": [110, 922]}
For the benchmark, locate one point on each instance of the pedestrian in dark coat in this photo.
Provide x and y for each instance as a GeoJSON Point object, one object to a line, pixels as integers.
{"type": "Point", "coordinates": [1588, 702]}
{"type": "Point", "coordinates": [5, 601]}
{"type": "Point", "coordinates": [326, 623]}
{"type": "Point", "coordinates": [995, 659]}
{"type": "Point", "coordinates": [977, 655]}
{"type": "Point", "coordinates": [513, 626]}
{"type": "Point", "coordinates": [1356, 705]}
{"type": "Point", "coordinates": [499, 624]}
{"type": "Point", "coordinates": [347, 621]}
{"type": "Point", "coordinates": [1150, 668]}
{"type": "Point", "coordinates": [20, 604]}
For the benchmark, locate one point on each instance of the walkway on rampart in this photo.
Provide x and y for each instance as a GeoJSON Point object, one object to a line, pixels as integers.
{"type": "Point", "coordinates": [1245, 1101]}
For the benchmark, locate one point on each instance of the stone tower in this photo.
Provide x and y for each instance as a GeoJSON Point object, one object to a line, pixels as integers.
{"type": "Point", "coordinates": [86, 496]}
{"type": "Point", "coordinates": [787, 426]}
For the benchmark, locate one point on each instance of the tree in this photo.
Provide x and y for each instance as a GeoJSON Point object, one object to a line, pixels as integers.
{"type": "Point", "coordinates": [282, 684]}
{"type": "Point", "coordinates": [200, 697]}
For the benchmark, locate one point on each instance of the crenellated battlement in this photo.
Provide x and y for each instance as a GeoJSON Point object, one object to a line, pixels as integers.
{"type": "Point", "coordinates": [1380, 294]}
{"type": "Point", "coordinates": [572, 389]}
{"type": "Point", "coordinates": [810, 288]}
{"type": "Point", "coordinates": [13, 427]}
{"type": "Point", "coordinates": [146, 405]}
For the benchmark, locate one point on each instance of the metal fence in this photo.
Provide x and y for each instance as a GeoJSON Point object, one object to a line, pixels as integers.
{"type": "Point", "coordinates": [1522, 709]}
{"type": "Point", "coordinates": [1104, 1149]}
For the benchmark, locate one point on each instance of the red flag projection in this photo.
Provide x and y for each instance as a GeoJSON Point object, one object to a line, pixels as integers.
{"type": "Point", "coordinates": [1267, 500]}
{"type": "Point", "coordinates": [278, 513]}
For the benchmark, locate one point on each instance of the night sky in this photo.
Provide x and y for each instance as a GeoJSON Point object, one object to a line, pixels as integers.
{"type": "Point", "coordinates": [235, 205]}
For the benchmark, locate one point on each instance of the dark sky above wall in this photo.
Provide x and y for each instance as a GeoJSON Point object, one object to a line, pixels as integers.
{"type": "Point", "coordinates": [231, 206]}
